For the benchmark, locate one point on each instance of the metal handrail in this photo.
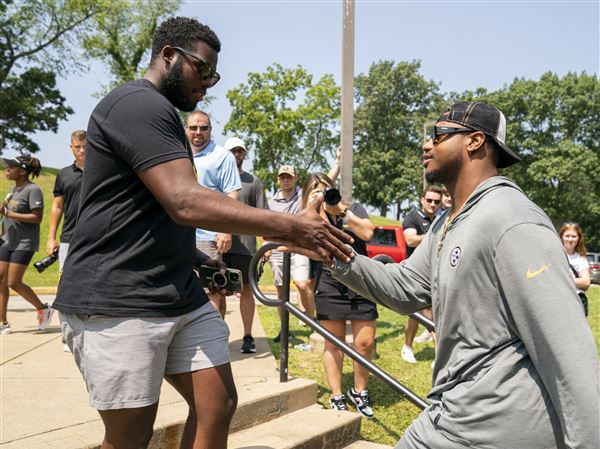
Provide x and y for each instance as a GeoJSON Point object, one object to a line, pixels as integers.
{"type": "Point", "coordinates": [288, 307]}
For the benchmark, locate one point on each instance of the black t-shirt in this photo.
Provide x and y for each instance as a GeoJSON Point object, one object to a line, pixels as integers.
{"type": "Point", "coordinates": [127, 256]}
{"type": "Point", "coordinates": [68, 184]}
{"type": "Point", "coordinates": [416, 220]}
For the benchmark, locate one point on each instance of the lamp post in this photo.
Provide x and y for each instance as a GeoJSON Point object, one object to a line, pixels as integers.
{"type": "Point", "coordinates": [347, 101]}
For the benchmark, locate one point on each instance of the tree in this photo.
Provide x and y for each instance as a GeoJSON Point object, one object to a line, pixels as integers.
{"type": "Point", "coordinates": [554, 125]}
{"type": "Point", "coordinates": [286, 119]}
{"type": "Point", "coordinates": [36, 43]}
{"type": "Point", "coordinates": [393, 103]}
{"type": "Point", "coordinates": [122, 35]}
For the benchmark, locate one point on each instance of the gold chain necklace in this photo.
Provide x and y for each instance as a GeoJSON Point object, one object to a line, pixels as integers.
{"type": "Point", "coordinates": [440, 242]}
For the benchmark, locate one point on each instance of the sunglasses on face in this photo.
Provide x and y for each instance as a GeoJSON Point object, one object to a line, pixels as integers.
{"type": "Point", "coordinates": [203, 68]}
{"type": "Point", "coordinates": [438, 133]}
{"type": "Point", "coordinates": [195, 128]}
{"type": "Point", "coordinates": [431, 200]}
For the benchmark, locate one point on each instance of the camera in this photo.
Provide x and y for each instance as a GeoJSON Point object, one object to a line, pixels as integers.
{"type": "Point", "coordinates": [230, 281]}
{"type": "Point", "coordinates": [41, 265]}
{"type": "Point", "coordinates": [332, 196]}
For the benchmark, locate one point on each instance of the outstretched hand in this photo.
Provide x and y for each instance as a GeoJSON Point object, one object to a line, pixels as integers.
{"type": "Point", "coordinates": [314, 237]}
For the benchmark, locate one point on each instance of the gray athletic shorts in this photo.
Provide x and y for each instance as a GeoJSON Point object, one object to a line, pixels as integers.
{"type": "Point", "coordinates": [209, 247]}
{"type": "Point", "coordinates": [123, 360]}
{"type": "Point", "coordinates": [299, 270]}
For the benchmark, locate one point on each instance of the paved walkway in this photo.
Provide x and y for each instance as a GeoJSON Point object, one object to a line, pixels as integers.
{"type": "Point", "coordinates": [43, 399]}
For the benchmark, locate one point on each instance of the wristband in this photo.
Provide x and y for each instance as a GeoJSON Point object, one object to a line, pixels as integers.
{"type": "Point", "coordinates": [347, 216]}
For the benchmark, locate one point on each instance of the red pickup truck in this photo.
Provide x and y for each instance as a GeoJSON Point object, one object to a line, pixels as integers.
{"type": "Point", "coordinates": [387, 244]}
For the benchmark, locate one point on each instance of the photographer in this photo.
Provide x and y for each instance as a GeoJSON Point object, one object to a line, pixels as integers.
{"type": "Point", "coordinates": [21, 214]}
{"type": "Point", "coordinates": [336, 303]}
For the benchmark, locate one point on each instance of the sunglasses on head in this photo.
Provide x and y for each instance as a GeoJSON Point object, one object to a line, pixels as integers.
{"type": "Point", "coordinates": [194, 128]}
{"type": "Point", "coordinates": [438, 133]}
{"type": "Point", "coordinates": [203, 68]}
{"type": "Point", "coordinates": [431, 200]}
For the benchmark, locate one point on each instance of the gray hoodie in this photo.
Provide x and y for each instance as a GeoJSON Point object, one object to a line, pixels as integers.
{"type": "Point", "coordinates": [516, 365]}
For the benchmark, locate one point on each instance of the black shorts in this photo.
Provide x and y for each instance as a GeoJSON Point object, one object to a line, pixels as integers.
{"type": "Point", "coordinates": [18, 257]}
{"type": "Point", "coordinates": [239, 262]}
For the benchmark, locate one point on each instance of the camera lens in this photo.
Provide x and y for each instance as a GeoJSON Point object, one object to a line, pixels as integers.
{"type": "Point", "coordinates": [219, 279]}
{"type": "Point", "coordinates": [332, 196]}
{"type": "Point", "coordinates": [233, 276]}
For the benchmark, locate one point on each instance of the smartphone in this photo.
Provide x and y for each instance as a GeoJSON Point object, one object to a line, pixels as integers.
{"type": "Point", "coordinates": [231, 281]}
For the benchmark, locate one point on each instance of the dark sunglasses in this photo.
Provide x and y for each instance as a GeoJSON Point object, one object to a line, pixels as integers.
{"type": "Point", "coordinates": [438, 132]}
{"type": "Point", "coordinates": [431, 200]}
{"type": "Point", "coordinates": [203, 68]}
{"type": "Point", "coordinates": [194, 128]}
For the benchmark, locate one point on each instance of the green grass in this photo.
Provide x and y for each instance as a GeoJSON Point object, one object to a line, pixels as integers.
{"type": "Point", "coordinates": [392, 413]}
{"type": "Point", "coordinates": [49, 278]}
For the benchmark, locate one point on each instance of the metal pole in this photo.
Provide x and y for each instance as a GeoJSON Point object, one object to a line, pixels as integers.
{"type": "Point", "coordinates": [285, 321]}
{"type": "Point", "coordinates": [347, 101]}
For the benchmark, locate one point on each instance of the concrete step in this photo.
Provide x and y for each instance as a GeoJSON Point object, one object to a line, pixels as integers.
{"type": "Point", "coordinates": [367, 445]}
{"type": "Point", "coordinates": [310, 428]}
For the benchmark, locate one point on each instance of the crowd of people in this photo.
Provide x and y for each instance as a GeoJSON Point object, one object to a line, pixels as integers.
{"type": "Point", "coordinates": [147, 196]}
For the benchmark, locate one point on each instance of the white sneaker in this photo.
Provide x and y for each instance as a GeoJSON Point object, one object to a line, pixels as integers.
{"type": "Point", "coordinates": [407, 354]}
{"type": "Point", "coordinates": [45, 317]}
{"type": "Point", "coordinates": [5, 328]}
{"type": "Point", "coordinates": [66, 347]}
{"type": "Point", "coordinates": [424, 337]}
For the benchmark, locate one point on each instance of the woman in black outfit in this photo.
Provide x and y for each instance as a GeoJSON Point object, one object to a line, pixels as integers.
{"type": "Point", "coordinates": [335, 303]}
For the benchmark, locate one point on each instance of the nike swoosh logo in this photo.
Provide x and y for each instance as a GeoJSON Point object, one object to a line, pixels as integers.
{"type": "Point", "coordinates": [532, 274]}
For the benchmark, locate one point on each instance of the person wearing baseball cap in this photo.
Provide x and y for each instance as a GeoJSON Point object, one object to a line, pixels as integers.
{"type": "Point", "coordinates": [288, 199]}
{"type": "Point", "coordinates": [243, 247]}
{"type": "Point", "coordinates": [494, 271]}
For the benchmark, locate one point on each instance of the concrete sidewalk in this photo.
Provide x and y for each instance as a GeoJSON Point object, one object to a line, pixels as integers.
{"type": "Point", "coordinates": [44, 402]}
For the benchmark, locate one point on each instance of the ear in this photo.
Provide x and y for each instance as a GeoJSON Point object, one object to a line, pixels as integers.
{"type": "Point", "coordinates": [475, 141]}
{"type": "Point", "coordinates": [167, 54]}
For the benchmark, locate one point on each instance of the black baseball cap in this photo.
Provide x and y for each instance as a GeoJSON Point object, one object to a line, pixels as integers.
{"type": "Point", "coordinates": [487, 119]}
{"type": "Point", "coordinates": [18, 161]}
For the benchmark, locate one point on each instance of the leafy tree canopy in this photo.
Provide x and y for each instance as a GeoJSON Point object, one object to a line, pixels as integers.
{"type": "Point", "coordinates": [37, 41]}
{"type": "Point", "coordinates": [285, 118]}
{"type": "Point", "coordinates": [394, 102]}
{"type": "Point", "coordinates": [121, 36]}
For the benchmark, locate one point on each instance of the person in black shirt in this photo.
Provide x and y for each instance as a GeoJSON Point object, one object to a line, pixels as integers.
{"type": "Point", "coordinates": [416, 224]}
{"type": "Point", "coordinates": [66, 199]}
{"type": "Point", "coordinates": [131, 308]}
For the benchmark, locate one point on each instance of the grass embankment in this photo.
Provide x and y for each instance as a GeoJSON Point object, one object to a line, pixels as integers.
{"type": "Point", "coordinates": [392, 413]}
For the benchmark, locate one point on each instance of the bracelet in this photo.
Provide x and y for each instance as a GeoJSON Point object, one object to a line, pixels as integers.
{"type": "Point", "coordinates": [347, 216]}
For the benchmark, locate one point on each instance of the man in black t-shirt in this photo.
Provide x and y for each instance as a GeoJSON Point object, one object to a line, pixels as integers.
{"type": "Point", "coordinates": [131, 308]}
{"type": "Point", "coordinates": [416, 224]}
{"type": "Point", "coordinates": [66, 199]}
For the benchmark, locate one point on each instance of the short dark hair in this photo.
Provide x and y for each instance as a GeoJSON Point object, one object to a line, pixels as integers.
{"type": "Point", "coordinates": [432, 188]}
{"type": "Point", "coordinates": [182, 32]}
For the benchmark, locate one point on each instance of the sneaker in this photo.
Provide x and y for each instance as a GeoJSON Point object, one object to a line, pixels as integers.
{"type": "Point", "coordinates": [44, 317]}
{"type": "Point", "coordinates": [277, 338]}
{"type": "Point", "coordinates": [66, 348]}
{"type": "Point", "coordinates": [424, 337]}
{"type": "Point", "coordinates": [408, 355]}
{"type": "Point", "coordinates": [361, 401]}
{"type": "Point", "coordinates": [338, 402]}
{"type": "Point", "coordinates": [5, 328]}
{"type": "Point", "coordinates": [248, 345]}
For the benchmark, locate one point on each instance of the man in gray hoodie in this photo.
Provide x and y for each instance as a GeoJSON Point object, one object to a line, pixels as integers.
{"type": "Point", "coordinates": [506, 375]}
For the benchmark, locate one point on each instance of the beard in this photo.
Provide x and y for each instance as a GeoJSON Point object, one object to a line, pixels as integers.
{"type": "Point", "coordinates": [176, 89]}
{"type": "Point", "coordinates": [448, 172]}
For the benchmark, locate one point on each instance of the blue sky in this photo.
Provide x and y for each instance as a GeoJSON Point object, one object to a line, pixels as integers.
{"type": "Point", "coordinates": [461, 44]}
